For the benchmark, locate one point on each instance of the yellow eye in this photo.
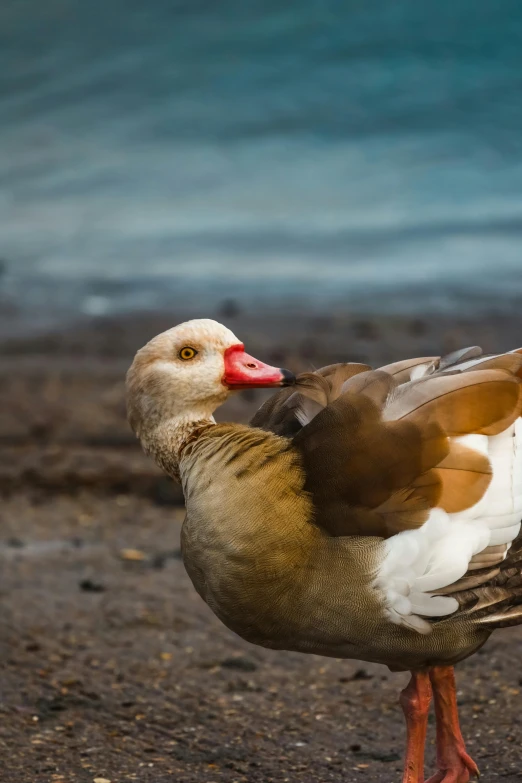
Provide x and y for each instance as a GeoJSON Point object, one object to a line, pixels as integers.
{"type": "Point", "coordinates": [187, 353]}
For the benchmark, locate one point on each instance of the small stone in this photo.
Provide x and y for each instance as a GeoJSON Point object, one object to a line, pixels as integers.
{"type": "Point", "coordinates": [15, 543]}
{"type": "Point", "coordinates": [88, 586]}
{"type": "Point", "coordinates": [135, 555]}
{"type": "Point", "coordinates": [242, 663]}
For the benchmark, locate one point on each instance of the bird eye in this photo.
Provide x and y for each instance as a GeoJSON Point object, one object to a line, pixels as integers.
{"type": "Point", "coordinates": [187, 353]}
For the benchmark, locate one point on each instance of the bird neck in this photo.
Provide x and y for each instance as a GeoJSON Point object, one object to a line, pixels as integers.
{"type": "Point", "coordinates": [165, 441]}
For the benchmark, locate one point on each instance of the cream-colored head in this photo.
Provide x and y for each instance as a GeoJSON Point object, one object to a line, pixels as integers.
{"type": "Point", "coordinates": [184, 374]}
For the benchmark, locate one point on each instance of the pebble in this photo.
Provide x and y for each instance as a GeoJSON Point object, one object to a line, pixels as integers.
{"type": "Point", "coordinates": [240, 662]}
{"type": "Point", "coordinates": [90, 586]}
{"type": "Point", "coordinates": [132, 554]}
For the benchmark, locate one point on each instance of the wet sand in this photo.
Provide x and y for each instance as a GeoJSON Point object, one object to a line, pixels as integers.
{"type": "Point", "coordinates": [111, 665]}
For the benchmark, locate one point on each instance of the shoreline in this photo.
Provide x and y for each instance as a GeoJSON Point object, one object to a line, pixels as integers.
{"type": "Point", "coordinates": [63, 423]}
{"type": "Point", "coordinates": [31, 306]}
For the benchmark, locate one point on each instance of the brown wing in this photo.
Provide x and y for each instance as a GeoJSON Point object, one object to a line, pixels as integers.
{"type": "Point", "coordinates": [312, 392]}
{"type": "Point", "coordinates": [459, 356]}
{"type": "Point", "coordinates": [402, 371]}
{"type": "Point", "coordinates": [381, 455]}
{"type": "Point", "coordinates": [279, 413]}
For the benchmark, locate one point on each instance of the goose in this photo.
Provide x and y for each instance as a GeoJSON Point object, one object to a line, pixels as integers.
{"type": "Point", "coordinates": [366, 514]}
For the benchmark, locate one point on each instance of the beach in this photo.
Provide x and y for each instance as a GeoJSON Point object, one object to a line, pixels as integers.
{"type": "Point", "coordinates": [112, 666]}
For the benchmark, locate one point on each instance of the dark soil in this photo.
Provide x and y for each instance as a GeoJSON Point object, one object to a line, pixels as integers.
{"type": "Point", "coordinates": [111, 666]}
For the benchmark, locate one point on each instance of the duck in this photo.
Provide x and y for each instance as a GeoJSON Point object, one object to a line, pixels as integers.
{"type": "Point", "coordinates": [369, 514]}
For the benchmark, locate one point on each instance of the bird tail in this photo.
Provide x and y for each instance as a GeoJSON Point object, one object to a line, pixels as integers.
{"type": "Point", "coordinates": [498, 603]}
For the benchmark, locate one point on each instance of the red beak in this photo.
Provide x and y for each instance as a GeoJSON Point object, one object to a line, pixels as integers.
{"type": "Point", "coordinates": [244, 372]}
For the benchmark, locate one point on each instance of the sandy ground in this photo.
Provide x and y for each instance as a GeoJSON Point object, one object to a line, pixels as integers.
{"type": "Point", "coordinates": [110, 665]}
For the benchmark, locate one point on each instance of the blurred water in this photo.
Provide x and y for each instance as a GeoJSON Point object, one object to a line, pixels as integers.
{"type": "Point", "coordinates": [364, 153]}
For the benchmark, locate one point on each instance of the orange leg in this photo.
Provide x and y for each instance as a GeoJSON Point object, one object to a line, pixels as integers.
{"type": "Point", "coordinates": [455, 766]}
{"type": "Point", "coordinates": [415, 703]}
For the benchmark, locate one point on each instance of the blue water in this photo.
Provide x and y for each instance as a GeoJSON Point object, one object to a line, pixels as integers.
{"type": "Point", "coordinates": [365, 154]}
